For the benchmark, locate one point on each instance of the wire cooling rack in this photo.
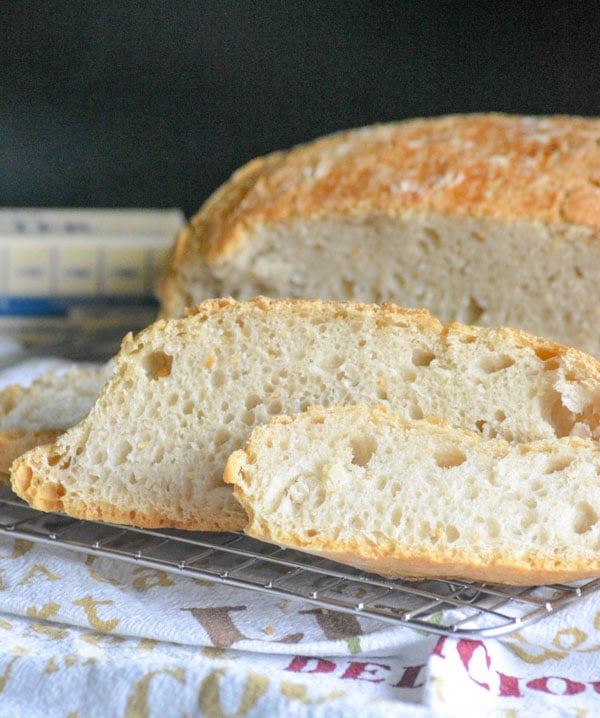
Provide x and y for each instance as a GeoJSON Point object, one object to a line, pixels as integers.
{"type": "Point", "coordinates": [458, 608]}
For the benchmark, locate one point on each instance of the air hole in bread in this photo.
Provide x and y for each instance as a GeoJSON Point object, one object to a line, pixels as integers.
{"type": "Point", "coordinates": [422, 357]}
{"type": "Point", "coordinates": [332, 362]}
{"type": "Point", "coordinates": [120, 452]}
{"type": "Point", "coordinates": [381, 482]}
{"type": "Point", "coordinates": [99, 457]}
{"type": "Point", "coordinates": [252, 400]}
{"type": "Point", "coordinates": [551, 364]}
{"type": "Point", "coordinates": [396, 516]}
{"type": "Point", "coordinates": [221, 436]}
{"type": "Point", "coordinates": [218, 378]}
{"type": "Point", "coordinates": [382, 394]}
{"type": "Point", "coordinates": [473, 311]}
{"type": "Point", "coordinates": [467, 339]}
{"type": "Point", "coordinates": [473, 492]}
{"type": "Point", "coordinates": [157, 365]}
{"type": "Point", "coordinates": [585, 517]}
{"type": "Point", "coordinates": [433, 236]}
{"type": "Point", "coordinates": [545, 353]}
{"type": "Point", "coordinates": [557, 463]}
{"type": "Point", "coordinates": [275, 407]}
{"type": "Point", "coordinates": [416, 412]}
{"type": "Point", "coordinates": [452, 533]}
{"type": "Point", "coordinates": [493, 528]}
{"type": "Point", "coordinates": [449, 457]}
{"type": "Point", "coordinates": [363, 448]}
{"type": "Point", "coordinates": [318, 497]}
{"type": "Point", "coordinates": [54, 459]}
{"type": "Point", "coordinates": [495, 362]}
{"type": "Point", "coordinates": [561, 418]}
{"type": "Point", "coordinates": [409, 375]}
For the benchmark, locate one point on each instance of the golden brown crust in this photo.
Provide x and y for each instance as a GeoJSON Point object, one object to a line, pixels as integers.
{"type": "Point", "coordinates": [531, 570]}
{"type": "Point", "coordinates": [501, 167]}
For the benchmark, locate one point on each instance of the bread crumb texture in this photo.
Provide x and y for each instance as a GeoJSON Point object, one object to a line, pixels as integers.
{"type": "Point", "coordinates": [186, 393]}
{"type": "Point", "coordinates": [419, 498]}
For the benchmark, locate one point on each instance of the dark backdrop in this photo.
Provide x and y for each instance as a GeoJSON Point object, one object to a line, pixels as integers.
{"type": "Point", "coordinates": [155, 103]}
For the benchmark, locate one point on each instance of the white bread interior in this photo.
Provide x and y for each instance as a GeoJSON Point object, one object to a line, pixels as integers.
{"type": "Point", "coordinates": [186, 392]}
{"type": "Point", "coordinates": [414, 498]}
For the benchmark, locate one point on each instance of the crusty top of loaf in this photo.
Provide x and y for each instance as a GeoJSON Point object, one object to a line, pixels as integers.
{"type": "Point", "coordinates": [488, 165]}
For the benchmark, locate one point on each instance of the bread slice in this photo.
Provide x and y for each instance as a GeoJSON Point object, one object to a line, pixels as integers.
{"type": "Point", "coordinates": [484, 219]}
{"type": "Point", "coordinates": [39, 413]}
{"type": "Point", "coordinates": [186, 392]}
{"type": "Point", "coordinates": [406, 498]}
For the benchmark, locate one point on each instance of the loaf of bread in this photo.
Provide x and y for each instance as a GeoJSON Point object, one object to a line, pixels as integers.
{"type": "Point", "coordinates": [484, 219]}
{"type": "Point", "coordinates": [185, 393]}
{"type": "Point", "coordinates": [39, 413]}
{"type": "Point", "coordinates": [410, 498]}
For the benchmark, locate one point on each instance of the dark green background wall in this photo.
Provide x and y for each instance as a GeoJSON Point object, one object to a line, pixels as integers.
{"type": "Point", "coordinates": [156, 103]}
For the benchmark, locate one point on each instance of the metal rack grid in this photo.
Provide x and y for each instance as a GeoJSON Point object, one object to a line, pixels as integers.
{"type": "Point", "coordinates": [458, 608]}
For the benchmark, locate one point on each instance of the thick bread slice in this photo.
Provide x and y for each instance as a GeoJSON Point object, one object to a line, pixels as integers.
{"type": "Point", "coordinates": [185, 393]}
{"type": "Point", "coordinates": [406, 498]}
{"type": "Point", "coordinates": [39, 413]}
{"type": "Point", "coordinates": [484, 219]}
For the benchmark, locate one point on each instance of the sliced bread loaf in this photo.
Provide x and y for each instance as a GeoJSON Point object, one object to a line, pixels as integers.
{"type": "Point", "coordinates": [406, 498]}
{"type": "Point", "coordinates": [38, 413]}
{"type": "Point", "coordinates": [186, 392]}
{"type": "Point", "coordinates": [484, 219]}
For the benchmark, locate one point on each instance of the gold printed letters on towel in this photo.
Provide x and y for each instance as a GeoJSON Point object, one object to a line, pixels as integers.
{"type": "Point", "coordinates": [209, 698]}
{"type": "Point", "coordinates": [48, 610]}
{"type": "Point", "coordinates": [37, 570]}
{"type": "Point", "coordinates": [89, 605]}
{"type": "Point", "coordinates": [137, 703]}
{"type": "Point", "coordinates": [4, 677]}
{"type": "Point", "coordinates": [21, 547]}
{"type": "Point", "coordinates": [150, 578]}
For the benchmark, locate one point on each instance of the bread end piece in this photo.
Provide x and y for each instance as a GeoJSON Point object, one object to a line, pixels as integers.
{"type": "Point", "coordinates": [29, 484]}
{"type": "Point", "coordinates": [14, 443]}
